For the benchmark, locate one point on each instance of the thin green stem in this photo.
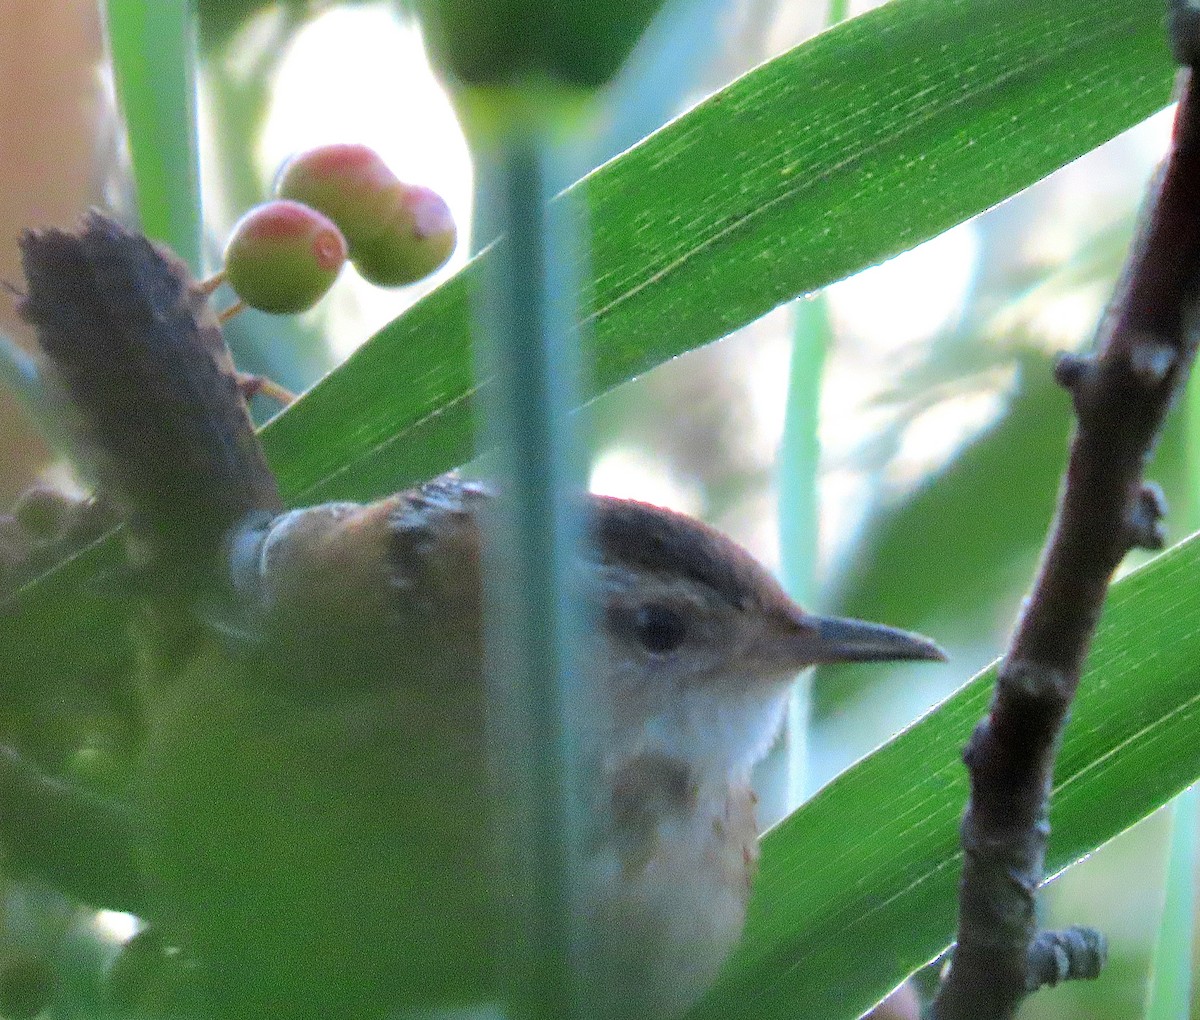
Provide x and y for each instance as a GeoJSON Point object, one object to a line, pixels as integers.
{"type": "Point", "coordinates": [800, 450]}
{"type": "Point", "coordinates": [1169, 993]}
{"type": "Point", "coordinates": [153, 48]}
{"type": "Point", "coordinates": [526, 354]}
{"type": "Point", "coordinates": [799, 519]}
{"type": "Point", "coordinates": [1169, 989]}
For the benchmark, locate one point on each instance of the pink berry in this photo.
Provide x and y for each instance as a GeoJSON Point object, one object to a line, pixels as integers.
{"type": "Point", "coordinates": [283, 256]}
{"type": "Point", "coordinates": [333, 175]}
{"type": "Point", "coordinates": [397, 233]}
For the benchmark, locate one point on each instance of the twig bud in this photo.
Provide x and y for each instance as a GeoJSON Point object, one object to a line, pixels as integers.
{"type": "Point", "coordinates": [1146, 515]}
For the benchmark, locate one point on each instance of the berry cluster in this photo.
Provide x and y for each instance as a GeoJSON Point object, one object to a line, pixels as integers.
{"type": "Point", "coordinates": [334, 203]}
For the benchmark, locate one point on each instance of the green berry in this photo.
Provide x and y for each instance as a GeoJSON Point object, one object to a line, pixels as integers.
{"type": "Point", "coordinates": [415, 236]}
{"type": "Point", "coordinates": [397, 233]}
{"type": "Point", "coordinates": [341, 180]}
{"type": "Point", "coordinates": [283, 256]}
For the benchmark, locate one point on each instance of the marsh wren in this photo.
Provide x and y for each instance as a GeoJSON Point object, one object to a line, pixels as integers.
{"type": "Point", "coordinates": [309, 812]}
{"type": "Point", "coordinates": [361, 628]}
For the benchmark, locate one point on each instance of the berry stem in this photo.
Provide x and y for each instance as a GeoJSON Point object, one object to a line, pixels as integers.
{"type": "Point", "coordinates": [234, 309]}
{"type": "Point", "coordinates": [256, 385]}
{"type": "Point", "coordinates": [207, 287]}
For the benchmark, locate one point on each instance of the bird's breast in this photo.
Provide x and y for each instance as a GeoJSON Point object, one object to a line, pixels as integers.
{"type": "Point", "coordinates": [670, 881]}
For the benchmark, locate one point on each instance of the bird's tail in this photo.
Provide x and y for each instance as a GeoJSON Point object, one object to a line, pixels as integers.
{"type": "Point", "coordinates": [153, 401]}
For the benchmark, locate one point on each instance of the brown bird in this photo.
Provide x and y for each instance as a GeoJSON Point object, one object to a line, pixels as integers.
{"type": "Point", "coordinates": [367, 622]}
{"type": "Point", "coordinates": [310, 815]}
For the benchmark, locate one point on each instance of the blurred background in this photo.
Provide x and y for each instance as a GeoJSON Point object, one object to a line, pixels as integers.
{"type": "Point", "coordinates": [941, 434]}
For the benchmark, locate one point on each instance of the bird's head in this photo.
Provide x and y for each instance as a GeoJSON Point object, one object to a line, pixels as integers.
{"type": "Point", "coordinates": [697, 642]}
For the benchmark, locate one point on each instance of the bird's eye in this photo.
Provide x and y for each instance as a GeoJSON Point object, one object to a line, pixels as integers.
{"type": "Point", "coordinates": [659, 628]}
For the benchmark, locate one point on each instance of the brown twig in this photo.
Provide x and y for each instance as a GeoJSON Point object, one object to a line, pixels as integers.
{"type": "Point", "coordinates": [1145, 346]}
{"type": "Point", "coordinates": [252, 385]}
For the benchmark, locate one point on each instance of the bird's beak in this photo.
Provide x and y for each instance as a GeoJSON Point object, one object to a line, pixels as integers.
{"type": "Point", "coordinates": [814, 640]}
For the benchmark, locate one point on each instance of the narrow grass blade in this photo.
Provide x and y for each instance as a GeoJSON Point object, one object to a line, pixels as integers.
{"type": "Point", "coordinates": [153, 50]}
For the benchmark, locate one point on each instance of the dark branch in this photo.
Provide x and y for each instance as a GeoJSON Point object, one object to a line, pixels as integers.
{"type": "Point", "coordinates": [1121, 394]}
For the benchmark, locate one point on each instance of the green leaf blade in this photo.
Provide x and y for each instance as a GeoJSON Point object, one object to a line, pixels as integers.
{"type": "Point", "coordinates": [398, 405]}
{"type": "Point", "coordinates": [854, 147]}
{"type": "Point", "coordinates": [828, 159]}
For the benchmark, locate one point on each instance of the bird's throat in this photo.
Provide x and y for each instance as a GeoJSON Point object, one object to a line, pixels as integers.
{"type": "Point", "coordinates": [721, 735]}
